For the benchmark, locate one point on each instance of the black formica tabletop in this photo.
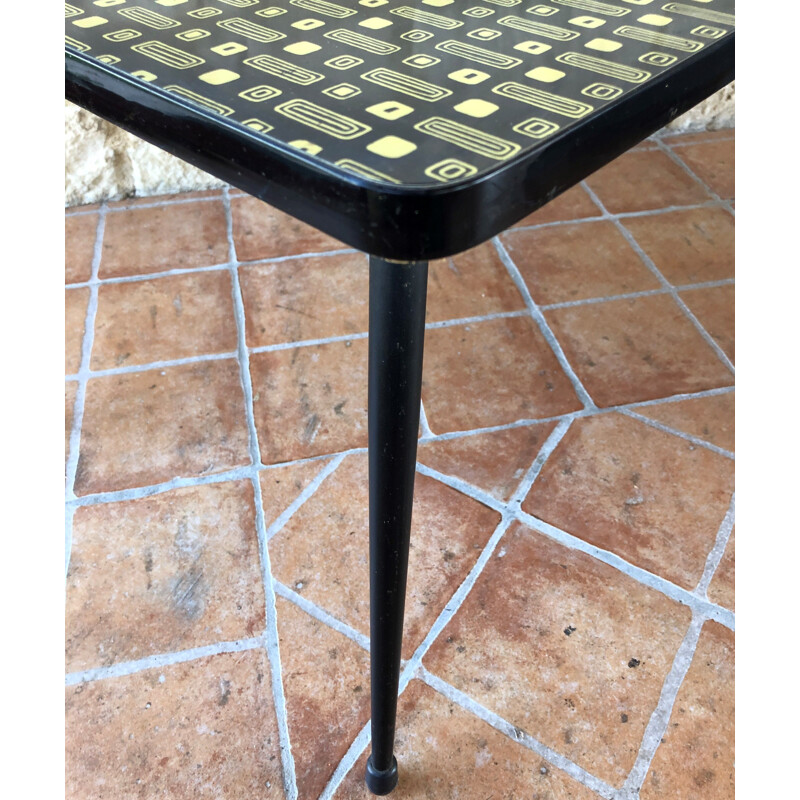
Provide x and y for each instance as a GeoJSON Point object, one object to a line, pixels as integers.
{"type": "Point", "coordinates": [409, 129]}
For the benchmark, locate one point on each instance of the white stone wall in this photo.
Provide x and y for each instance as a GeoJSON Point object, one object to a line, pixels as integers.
{"type": "Point", "coordinates": [106, 163]}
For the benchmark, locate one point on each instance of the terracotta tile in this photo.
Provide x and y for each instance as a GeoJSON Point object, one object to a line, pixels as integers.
{"type": "Point", "coordinates": [147, 427]}
{"type": "Point", "coordinates": [281, 485]}
{"type": "Point", "coordinates": [80, 233]}
{"type": "Point", "coordinates": [133, 202]}
{"type": "Point", "coordinates": [700, 137]}
{"type": "Point", "coordinates": [575, 203]}
{"type": "Point", "coordinates": [306, 298]}
{"type": "Point", "coordinates": [576, 262]}
{"type": "Point", "coordinates": [179, 316]}
{"type": "Point", "coordinates": [471, 284]}
{"type": "Point", "coordinates": [650, 497]}
{"type": "Point", "coordinates": [690, 246]}
{"type": "Point", "coordinates": [714, 163]}
{"type": "Point", "coordinates": [565, 648]}
{"type": "Point", "coordinates": [709, 418]}
{"type": "Point", "coordinates": [326, 684]}
{"type": "Point", "coordinates": [644, 179]}
{"type": "Point", "coordinates": [715, 310]}
{"type": "Point", "coordinates": [205, 728]}
{"type": "Point", "coordinates": [70, 391]}
{"type": "Point", "coordinates": [164, 573]}
{"type": "Point", "coordinates": [142, 240]}
{"type": "Point", "coordinates": [722, 589]}
{"type": "Point", "coordinates": [696, 754]}
{"type": "Point", "coordinates": [261, 231]}
{"type": "Point", "coordinates": [495, 462]}
{"type": "Point", "coordinates": [310, 401]}
{"type": "Point", "coordinates": [491, 373]}
{"type": "Point", "coordinates": [75, 303]}
{"type": "Point", "coordinates": [630, 350]}
{"type": "Point", "coordinates": [322, 552]}
{"type": "Point", "coordinates": [444, 751]}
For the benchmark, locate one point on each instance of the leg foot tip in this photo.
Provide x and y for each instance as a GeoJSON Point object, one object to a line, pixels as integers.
{"type": "Point", "coordinates": [381, 782]}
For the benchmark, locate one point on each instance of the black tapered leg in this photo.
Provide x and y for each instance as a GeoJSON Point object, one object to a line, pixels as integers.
{"type": "Point", "coordinates": [396, 333]}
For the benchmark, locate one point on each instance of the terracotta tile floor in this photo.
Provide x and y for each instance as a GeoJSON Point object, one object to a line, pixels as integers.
{"type": "Point", "coordinates": [570, 609]}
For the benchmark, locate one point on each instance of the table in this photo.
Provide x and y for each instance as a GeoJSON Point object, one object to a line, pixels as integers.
{"type": "Point", "coordinates": [411, 130]}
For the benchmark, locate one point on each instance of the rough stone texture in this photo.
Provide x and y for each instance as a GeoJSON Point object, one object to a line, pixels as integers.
{"type": "Point", "coordinates": [104, 162]}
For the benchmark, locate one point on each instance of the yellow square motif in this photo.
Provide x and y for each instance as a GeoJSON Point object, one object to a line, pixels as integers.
{"type": "Point", "coordinates": [107, 3]}
{"type": "Point", "coordinates": [375, 23]}
{"type": "Point", "coordinates": [302, 48]}
{"type": "Point", "coordinates": [588, 22]}
{"type": "Point", "coordinates": [390, 109]}
{"type": "Point", "coordinates": [437, 3]}
{"type": "Point", "coordinates": [342, 91]}
{"type": "Point", "coordinates": [144, 75]}
{"type": "Point", "coordinates": [391, 147]}
{"type": "Point", "coordinates": [543, 11]}
{"type": "Point", "coordinates": [373, 3]}
{"type": "Point", "coordinates": [192, 35]}
{"type": "Point", "coordinates": [308, 24]}
{"type": "Point", "coordinates": [655, 19]}
{"type": "Point", "coordinates": [476, 108]}
{"type": "Point", "coordinates": [468, 76]}
{"type": "Point", "coordinates": [603, 45]}
{"type": "Point", "coordinates": [534, 48]}
{"type": "Point", "coordinates": [484, 34]}
{"type": "Point", "coordinates": [170, 2]}
{"type": "Point", "coordinates": [228, 49]}
{"type": "Point", "coordinates": [421, 61]}
{"type": "Point", "coordinates": [545, 74]}
{"type": "Point", "coordinates": [219, 76]}
{"type": "Point", "coordinates": [89, 22]}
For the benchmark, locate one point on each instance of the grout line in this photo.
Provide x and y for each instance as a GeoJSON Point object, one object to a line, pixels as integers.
{"type": "Point", "coordinates": [130, 203]}
{"type": "Point", "coordinates": [718, 550]}
{"type": "Point", "coordinates": [675, 432]}
{"type": "Point", "coordinates": [162, 660]}
{"type": "Point", "coordinates": [271, 348]}
{"type": "Point", "coordinates": [348, 761]}
{"type": "Point", "coordinates": [146, 276]}
{"type": "Point", "coordinates": [676, 159]}
{"type": "Point", "coordinates": [414, 664]}
{"type": "Point", "coordinates": [545, 451]}
{"type": "Point", "coordinates": [271, 635]}
{"type": "Point", "coordinates": [246, 472]}
{"type": "Point", "coordinates": [517, 734]}
{"type": "Point", "coordinates": [450, 323]}
{"type": "Point", "coordinates": [321, 614]}
{"type": "Point", "coordinates": [633, 295]}
{"type": "Point", "coordinates": [650, 264]}
{"type": "Point", "coordinates": [541, 322]}
{"type": "Point", "coordinates": [301, 498]}
{"type": "Point", "coordinates": [83, 377]}
{"type": "Point", "coordinates": [651, 212]}
{"type": "Point", "coordinates": [427, 433]}
{"type": "Point", "coordinates": [697, 604]}
{"type": "Point", "coordinates": [659, 719]}
{"type": "Point", "coordinates": [135, 493]}
{"type": "Point", "coordinates": [152, 365]}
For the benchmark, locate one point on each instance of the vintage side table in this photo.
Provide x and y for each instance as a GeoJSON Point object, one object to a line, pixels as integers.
{"type": "Point", "coordinates": [409, 129]}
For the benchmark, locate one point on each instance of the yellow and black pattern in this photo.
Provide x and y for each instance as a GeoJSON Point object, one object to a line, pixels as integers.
{"type": "Point", "coordinates": [413, 92]}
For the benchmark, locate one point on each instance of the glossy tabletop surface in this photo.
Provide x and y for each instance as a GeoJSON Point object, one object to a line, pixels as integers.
{"type": "Point", "coordinates": [394, 95]}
